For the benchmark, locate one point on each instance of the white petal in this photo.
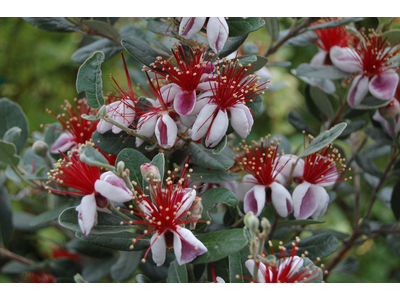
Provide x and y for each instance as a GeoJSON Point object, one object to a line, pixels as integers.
{"type": "Point", "coordinates": [306, 198]}
{"type": "Point", "coordinates": [203, 121]}
{"type": "Point", "coordinates": [287, 160]}
{"type": "Point", "coordinates": [166, 131]}
{"type": "Point", "coordinates": [187, 120]}
{"type": "Point", "coordinates": [112, 191]}
{"type": "Point", "coordinates": [281, 199]}
{"type": "Point", "coordinates": [241, 119]}
{"type": "Point", "coordinates": [358, 90]}
{"type": "Point", "coordinates": [190, 26]}
{"type": "Point", "coordinates": [124, 114]}
{"type": "Point", "coordinates": [186, 246]}
{"type": "Point", "coordinates": [146, 127]}
{"type": "Point", "coordinates": [169, 91]}
{"type": "Point", "coordinates": [63, 143]}
{"type": "Point", "coordinates": [158, 248]}
{"type": "Point", "coordinates": [383, 86]}
{"type": "Point", "coordinates": [254, 200]}
{"type": "Point", "coordinates": [319, 58]}
{"type": "Point", "coordinates": [322, 205]}
{"type": "Point", "coordinates": [345, 59]}
{"type": "Point", "coordinates": [246, 185]}
{"type": "Point", "coordinates": [87, 213]}
{"type": "Point", "coordinates": [187, 201]}
{"type": "Point", "coordinates": [261, 269]}
{"type": "Point", "coordinates": [220, 280]}
{"type": "Point", "coordinates": [217, 129]}
{"type": "Point", "coordinates": [217, 33]}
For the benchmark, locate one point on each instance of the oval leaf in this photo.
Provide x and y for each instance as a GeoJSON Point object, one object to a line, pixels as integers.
{"type": "Point", "coordinates": [177, 273]}
{"type": "Point", "coordinates": [133, 159]}
{"type": "Point", "coordinates": [240, 26]}
{"type": "Point", "coordinates": [207, 159]}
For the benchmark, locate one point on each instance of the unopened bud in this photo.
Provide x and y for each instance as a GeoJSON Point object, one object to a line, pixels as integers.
{"type": "Point", "coordinates": [120, 167]}
{"type": "Point", "coordinates": [195, 212]}
{"type": "Point", "coordinates": [266, 226]}
{"type": "Point", "coordinates": [270, 259]}
{"type": "Point", "coordinates": [149, 171]}
{"type": "Point", "coordinates": [252, 222]}
{"type": "Point", "coordinates": [392, 110]}
{"type": "Point", "coordinates": [40, 148]}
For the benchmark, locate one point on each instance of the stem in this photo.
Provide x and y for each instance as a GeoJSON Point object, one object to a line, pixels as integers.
{"type": "Point", "coordinates": [357, 186]}
{"type": "Point", "coordinates": [16, 257]}
{"type": "Point", "coordinates": [291, 172]}
{"type": "Point", "coordinates": [338, 114]}
{"type": "Point", "coordinates": [23, 179]}
{"type": "Point", "coordinates": [117, 212]}
{"type": "Point", "coordinates": [274, 226]}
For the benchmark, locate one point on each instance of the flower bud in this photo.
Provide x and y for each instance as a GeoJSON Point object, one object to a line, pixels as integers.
{"type": "Point", "coordinates": [196, 211]}
{"type": "Point", "coordinates": [392, 110]}
{"type": "Point", "coordinates": [120, 167]}
{"type": "Point", "coordinates": [40, 148]}
{"type": "Point", "coordinates": [251, 222]}
{"type": "Point", "coordinates": [266, 226]}
{"type": "Point", "coordinates": [149, 171]}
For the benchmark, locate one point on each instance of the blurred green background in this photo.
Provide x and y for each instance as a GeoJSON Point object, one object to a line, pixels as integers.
{"type": "Point", "coordinates": [37, 72]}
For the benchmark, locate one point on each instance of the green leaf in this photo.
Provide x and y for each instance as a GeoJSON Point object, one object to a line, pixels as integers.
{"type": "Point", "coordinates": [322, 101]}
{"type": "Point", "coordinates": [221, 145]}
{"type": "Point", "coordinates": [240, 26]}
{"type": "Point", "coordinates": [395, 201]}
{"type": "Point", "coordinates": [352, 127]}
{"type": "Point", "coordinates": [320, 245]}
{"type": "Point", "coordinates": [368, 165]}
{"type": "Point", "coordinates": [335, 23]}
{"type": "Point", "coordinates": [255, 106]}
{"type": "Point", "coordinates": [392, 36]}
{"type": "Point", "coordinates": [16, 267]}
{"type": "Point", "coordinates": [89, 80]}
{"type": "Point", "coordinates": [393, 242]}
{"type": "Point", "coordinates": [97, 270]}
{"type": "Point", "coordinates": [272, 25]}
{"type": "Point", "coordinates": [237, 265]}
{"type": "Point", "coordinates": [250, 49]}
{"type": "Point", "coordinates": [347, 266]}
{"type": "Point", "coordinates": [11, 115]}
{"type": "Point", "coordinates": [108, 47]}
{"type": "Point", "coordinates": [378, 135]}
{"type": "Point", "coordinates": [220, 244]}
{"type": "Point", "coordinates": [113, 143]}
{"type": "Point", "coordinates": [231, 45]}
{"type": "Point", "coordinates": [107, 223]}
{"type": "Point", "coordinates": [207, 159]}
{"type": "Point", "coordinates": [301, 40]}
{"type": "Point", "coordinates": [159, 162]}
{"type": "Point", "coordinates": [133, 159]}
{"type": "Point", "coordinates": [91, 156]}
{"type": "Point", "coordinates": [12, 134]}
{"type": "Point", "coordinates": [321, 72]}
{"type": "Point", "coordinates": [6, 215]}
{"type": "Point", "coordinates": [8, 154]}
{"type": "Point", "coordinates": [177, 273]}
{"type": "Point", "coordinates": [283, 64]}
{"type": "Point", "coordinates": [214, 196]}
{"type": "Point", "coordinates": [102, 27]}
{"type": "Point", "coordinates": [324, 138]}
{"type": "Point", "coordinates": [126, 265]}
{"type": "Point", "coordinates": [77, 245]}
{"type": "Point", "coordinates": [299, 123]}
{"type": "Point", "coordinates": [53, 24]}
{"type": "Point", "coordinates": [213, 176]}
{"type": "Point", "coordinates": [317, 275]}
{"type": "Point", "coordinates": [299, 223]}
{"type": "Point", "coordinates": [48, 216]}
{"type": "Point", "coordinates": [117, 241]}
{"type": "Point", "coordinates": [141, 51]}
{"type": "Point", "coordinates": [370, 102]}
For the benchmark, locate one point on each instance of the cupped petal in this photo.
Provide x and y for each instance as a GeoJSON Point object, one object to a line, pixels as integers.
{"type": "Point", "coordinates": [217, 129]}
{"type": "Point", "coordinates": [202, 101]}
{"type": "Point", "coordinates": [190, 26]}
{"type": "Point", "coordinates": [187, 201]}
{"type": "Point", "coordinates": [203, 121]}
{"type": "Point", "coordinates": [146, 127]}
{"type": "Point", "coordinates": [281, 199]}
{"type": "Point", "coordinates": [286, 162]}
{"type": "Point", "coordinates": [124, 114]}
{"type": "Point", "coordinates": [248, 182]}
{"type": "Point", "coordinates": [103, 126]}
{"type": "Point", "coordinates": [220, 280]}
{"type": "Point", "coordinates": [358, 90]}
{"type": "Point", "coordinates": [345, 59]}
{"type": "Point", "coordinates": [169, 91]}
{"type": "Point", "coordinates": [254, 200]}
{"type": "Point", "coordinates": [319, 58]}
{"type": "Point", "coordinates": [322, 205]}
{"type": "Point", "coordinates": [383, 86]}
{"type": "Point", "coordinates": [113, 188]}
{"type": "Point", "coordinates": [184, 102]}
{"type": "Point", "coordinates": [306, 198]}
{"type": "Point", "coordinates": [63, 143]}
{"type": "Point", "coordinates": [87, 213]}
{"type": "Point", "coordinates": [262, 269]}
{"type": "Point", "coordinates": [217, 33]}
{"type": "Point", "coordinates": [186, 246]}
{"type": "Point", "coordinates": [166, 131]}
{"type": "Point", "coordinates": [158, 248]}
{"type": "Point", "coordinates": [187, 120]}
{"type": "Point", "coordinates": [241, 119]}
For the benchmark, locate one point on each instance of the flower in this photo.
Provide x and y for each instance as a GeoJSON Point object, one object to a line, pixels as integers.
{"type": "Point", "coordinates": [165, 211]}
{"type": "Point", "coordinates": [384, 114]}
{"type": "Point", "coordinates": [371, 60]}
{"type": "Point", "coordinates": [232, 88]}
{"type": "Point", "coordinates": [87, 181]}
{"type": "Point", "coordinates": [259, 186]}
{"type": "Point", "coordinates": [187, 79]}
{"type": "Point", "coordinates": [217, 30]}
{"type": "Point", "coordinates": [290, 269]}
{"type": "Point", "coordinates": [329, 37]}
{"type": "Point", "coordinates": [76, 129]}
{"type": "Point", "coordinates": [312, 174]}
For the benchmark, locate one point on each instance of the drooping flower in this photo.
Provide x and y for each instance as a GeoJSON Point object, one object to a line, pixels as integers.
{"type": "Point", "coordinates": [88, 181]}
{"type": "Point", "coordinates": [165, 209]}
{"type": "Point", "coordinates": [384, 114]}
{"type": "Point", "coordinates": [232, 88]}
{"type": "Point", "coordinates": [291, 269]}
{"type": "Point", "coordinates": [188, 78]}
{"type": "Point", "coordinates": [217, 30]}
{"type": "Point", "coordinates": [260, 185]}
{"type": "Point", "coordinates": [327, 38]}
{"type": "Point", "coordinates": [371, 59]}
{"type": "Point", "coordinates": [76, 130]}
{"type": "Point", "coordinates": [316, 171]}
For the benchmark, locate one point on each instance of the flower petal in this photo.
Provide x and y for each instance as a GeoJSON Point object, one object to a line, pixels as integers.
{"type": "Point", "coordinates": [281, 199]}
{"type": "Point", "coordinates": [184, 102]}
{"type": "Point", "coordinates": [169, 91]}
{"type": "Point", "coordinates": [217, 129]}
{"type": "Point", "coordinates": [158, 248]}
{"type": "Point", "coordinates": [186, 246]}
{"type": "Point", "coordinates": [241, 119]}
{"type": "Point", "coordinates": [254, 200]}
{"type": "Point", "coordinates": [87, 214]}
{"type": "Point", "coordinates": [248, 182]}
{"type": "Point", "coordinates": [146, 127]}
{"type": "Point", "coordinates": [166, 131]}
{"type": "Point", "coordinates": [186, 202]}
{"type": "Point", "coordinates": [306, 199]}
{"type": "Point", "coordinates": [187, 120]}
{"type": "Point", "coordinates": [124, 114]}
{"type": "Point", "coordinates": [63, 143]}
{"type": "Point", "coordinates": [113, 188]}
{"type": "Point", "coordinates": [358, 90]}
{"type": "Point", "coordinates": [345, 59]}
{"type": "Point", "coordinates": [261, 269]}
{"type": "Point", "coordinates": [287, 160]}
{"type": "Point", "coordinates": [217, 33]}
{"type": "Point", "coordinates": [203, 121]}
{"type": "Point", "coordinates": [322, 205]}
{"type": "Point", "coordinates": [319, 58]}
{"type": "Point", "coordinates": [383, 86]}
{"type": "Point", "coordinates": [190, 26]}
